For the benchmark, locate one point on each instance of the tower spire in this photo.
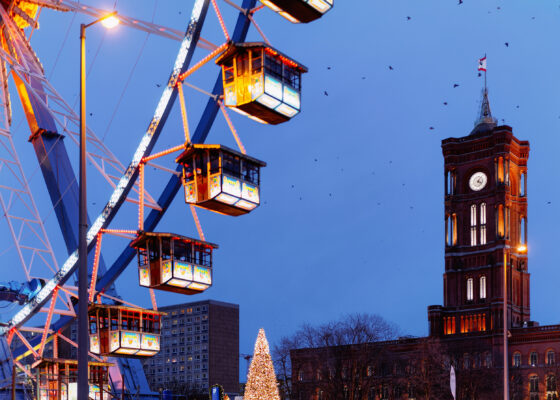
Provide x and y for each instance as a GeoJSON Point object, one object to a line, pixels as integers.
{"type": "Point", "coordinates": [485, 120]}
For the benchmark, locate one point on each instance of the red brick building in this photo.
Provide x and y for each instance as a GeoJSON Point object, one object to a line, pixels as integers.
{"type": "Point", "coordinates": [485, 175]}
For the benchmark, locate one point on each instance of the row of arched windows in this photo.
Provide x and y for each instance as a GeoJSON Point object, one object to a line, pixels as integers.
{"type": "Point", "coordinates": [533, 359]}
{"type": "Point", "coordinates": [481, 288]}
{"type": "Point", "coordinates": [478, 225]}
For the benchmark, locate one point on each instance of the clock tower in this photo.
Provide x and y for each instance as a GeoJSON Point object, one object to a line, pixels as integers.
{"type": "Point", "coordinates": [485, 224]}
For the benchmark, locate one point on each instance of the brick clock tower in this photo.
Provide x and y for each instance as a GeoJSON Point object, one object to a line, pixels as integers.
{"type": "Point", "coordinates": [485, 217]}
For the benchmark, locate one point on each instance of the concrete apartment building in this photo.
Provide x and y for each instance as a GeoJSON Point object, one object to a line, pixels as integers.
{"type": "Point", "coordinates": [199, 347]}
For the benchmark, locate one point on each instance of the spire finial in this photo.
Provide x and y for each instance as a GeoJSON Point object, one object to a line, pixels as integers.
{"type": "Point", "coordinates": [485, 119]}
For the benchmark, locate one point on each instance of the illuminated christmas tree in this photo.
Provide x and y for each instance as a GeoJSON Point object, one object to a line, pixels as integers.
{"type": "Point", "coordinates": [261, 381]}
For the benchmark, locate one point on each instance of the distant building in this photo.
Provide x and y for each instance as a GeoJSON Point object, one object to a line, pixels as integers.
{"type": "Point", "coordinates": [199, 348]}
{"type": "Point", "coordinates": [485, 213]}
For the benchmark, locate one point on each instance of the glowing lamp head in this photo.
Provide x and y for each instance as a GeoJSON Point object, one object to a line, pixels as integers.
{"type": "Point", "coordinates": [110, 22]}
{"type": "Point", "coordinates": [522, 248]}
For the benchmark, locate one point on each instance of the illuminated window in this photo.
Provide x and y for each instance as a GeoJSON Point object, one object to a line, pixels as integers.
{"type": "Point", "coordinates": [482, 287]}
{"type": "Point", "coordinates": [470, 290]}
{"type": "Point", "coordinates": [507, 222]}
{"type": "Point", "coordinates": [483, 223]}
{"type": "Point", "coordinates": [534, 359]}
{"type": "Point", "coordinates": [550, 357]}
{"type": "Point", "coordinates": [450, 183]}
{"type": "Point", "coordinates": [300, 376]}
{"type": "Point", "coordinates": [451, 230]}
{"type": "Point", "coordinates": [473, 225]}
{"type": "Point", "coordinates": [522, 231]}
{"type": "Point", "coordinates": [500, 221]}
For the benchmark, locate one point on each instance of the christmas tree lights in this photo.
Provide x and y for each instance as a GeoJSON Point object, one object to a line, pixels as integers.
{"type": "Point", "coordinates": [261, 381]}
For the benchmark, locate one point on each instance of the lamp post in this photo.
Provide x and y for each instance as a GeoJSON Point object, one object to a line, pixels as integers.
{"type": "Point", "coordinates": [521, 249]}
{"type": "Point", "coordinates": [109, 21]}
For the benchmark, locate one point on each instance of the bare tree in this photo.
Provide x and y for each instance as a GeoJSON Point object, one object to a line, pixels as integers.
{"type": "Point", "coordinates": [345, 358]}
{"type": "Point", "coordinates": [430, 371]}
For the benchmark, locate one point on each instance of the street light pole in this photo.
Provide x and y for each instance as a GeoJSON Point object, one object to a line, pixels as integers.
{"type": "Point", "coordinates": [83, 334]}
{"type": "Point", "coordinates": [506, 357]}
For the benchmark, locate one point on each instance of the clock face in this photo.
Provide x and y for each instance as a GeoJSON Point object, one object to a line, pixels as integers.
{"type": "Point", "coordinates": [478, 181]}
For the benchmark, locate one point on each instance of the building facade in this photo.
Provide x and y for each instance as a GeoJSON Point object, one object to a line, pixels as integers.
{"type": "Point", "coordinates": [485, 210]}
{"type": "Point", "coordinates": [199, 348]}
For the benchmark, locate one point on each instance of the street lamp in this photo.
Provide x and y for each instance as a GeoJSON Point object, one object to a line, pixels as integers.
{"type": "Point", "coordinates": [109, 21]}
{"type": "Point", "coordinates": [522, 248]}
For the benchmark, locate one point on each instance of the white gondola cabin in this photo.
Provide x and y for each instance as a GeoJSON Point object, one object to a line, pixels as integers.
{"type": "Point", "coordinates": [124, 331]}
{"type": "Point", "coordinates": [174, 263]}
{"type": "Point", "coordinates": [261, 82]}
{"type": "Point", "coordinates": [297, 11]}
{"type": "Point", "coordinates": [220, 179]}
{"type": "Point", "coordinates": [57, 379]}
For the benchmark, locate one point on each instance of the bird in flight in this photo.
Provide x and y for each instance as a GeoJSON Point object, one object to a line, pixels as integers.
{"type": "Point", "coordinates": [455, 85]}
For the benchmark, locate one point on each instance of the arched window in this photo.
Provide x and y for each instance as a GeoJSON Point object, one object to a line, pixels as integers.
{"type": "Point", "coordinates": [450, 183]}
{"type": "Point", "coordinates": [470, 289]}
{"type": "Point", "coordinates": [534, 384]}
{"type": "Point", "coordinates": [466, 361]}
{"type": "Point", "coordinates": [522, 231]}
{"type": "Point", "coordinates": [483, 223]}
{"type": "Point", "coordinates": [550, 357]}
{"type": "Point", "coordinates": [516, 359]}
{"type": "Point", "coordinates": [488, 360]}
{"type": "Point", "coordinates": [482, 287]}
{"type": "Point", "coordinates": [500, 228]}
{"type": "Point", "coordinates": [451, 230]}
{"type": "Point", "coordinates": [473, 225]}
{"type": "Point", "coordinates": [522, 184]}
{"type": "Point", "coordinates": [534, 359]}
{"type": "Point", "coordinates": [551, 383]}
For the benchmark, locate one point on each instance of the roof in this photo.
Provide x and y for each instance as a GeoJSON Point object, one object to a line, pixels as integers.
{"type": "Point", "coordinates": [191, 148]}
{"type": "Point", "coordinates": [485, 122]}
{"type": "Point", "coordinates": [68, 361]}
{"type": "Point", "coordinates": [143, 236]}
{"type": "Point", "coordinates": [234, 47]}
{"type": "Point", "coordinates": [94, 306]}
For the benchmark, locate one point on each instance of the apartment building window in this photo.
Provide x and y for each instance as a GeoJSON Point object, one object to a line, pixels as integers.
{"type": "Point", "coordinates": [470, 289]}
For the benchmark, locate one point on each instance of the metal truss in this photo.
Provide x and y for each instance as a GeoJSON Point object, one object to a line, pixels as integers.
{"type": "Point", "coordinates": [25, 65]}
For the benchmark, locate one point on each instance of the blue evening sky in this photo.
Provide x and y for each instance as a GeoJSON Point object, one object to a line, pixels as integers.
{"type": "Point", "coordinates": [351, 218]}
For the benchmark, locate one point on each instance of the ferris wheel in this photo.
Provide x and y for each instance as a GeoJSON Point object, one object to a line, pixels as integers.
{"type": "Point", "coordinates": [254, 79]}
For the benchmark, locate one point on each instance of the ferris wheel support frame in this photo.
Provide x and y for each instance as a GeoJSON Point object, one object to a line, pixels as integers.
{"type": "Point", "coordinates": [174, 184]}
